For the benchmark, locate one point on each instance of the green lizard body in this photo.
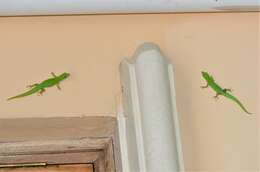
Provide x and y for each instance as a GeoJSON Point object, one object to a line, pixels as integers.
{"type": "Point", "coordinates": [40, 88]}
{"type": "Point", "coordinates": [221, 91]}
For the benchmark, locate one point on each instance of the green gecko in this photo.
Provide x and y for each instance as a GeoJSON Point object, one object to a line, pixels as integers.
{"type": "Point", "coordinates": [40, 88]}
{"type": "Point", "coordinates": [220, 91]}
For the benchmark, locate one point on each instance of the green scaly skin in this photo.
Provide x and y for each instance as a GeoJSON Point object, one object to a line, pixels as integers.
{"type": "Point", "coordinates": [220, 91]}
{"type": "Point", "coordinates": [40, 88]}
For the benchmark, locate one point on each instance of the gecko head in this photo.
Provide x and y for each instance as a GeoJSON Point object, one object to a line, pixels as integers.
{"type": "Point", "coordinates": [205, 75]}
{"type": "Point", "coordinates": [64, 75]}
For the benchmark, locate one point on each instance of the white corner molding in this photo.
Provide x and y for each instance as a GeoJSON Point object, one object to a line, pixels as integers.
{"type": "Point", "coordinates": [148, 125]}
{"type": "Point", "coordinates": [67, 7]}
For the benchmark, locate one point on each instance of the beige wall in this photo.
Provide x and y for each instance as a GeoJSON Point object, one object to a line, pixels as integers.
{"type": "Point", "coordinates": [216, 135]}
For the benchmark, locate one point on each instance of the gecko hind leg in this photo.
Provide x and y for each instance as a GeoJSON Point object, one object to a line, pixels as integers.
{"type": "Point", "coordinates": [41, 91]}
{"type": "Point", "coordinates": [33, 85]}
{"type": "Point", "coordinates": [216, 96]}
{"type": "Point", "coordinates": [206, 86]}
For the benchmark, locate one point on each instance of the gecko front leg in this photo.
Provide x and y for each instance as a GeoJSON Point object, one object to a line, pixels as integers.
{"type": "Point", "coordinates": [58, 86]}
{"type": "Point", "coordinates": [227, 89]}
{"type": "Point", "coordinates": [53, 74]}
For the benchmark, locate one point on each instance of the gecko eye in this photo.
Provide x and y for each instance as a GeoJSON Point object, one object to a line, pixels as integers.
{"type": "Point", "coordinates": [67, 74]}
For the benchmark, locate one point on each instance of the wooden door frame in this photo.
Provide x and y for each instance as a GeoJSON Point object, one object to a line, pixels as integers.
{"type": "Point", "coordinates": [84, 140]}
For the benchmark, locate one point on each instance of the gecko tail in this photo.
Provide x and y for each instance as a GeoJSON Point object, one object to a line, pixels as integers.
{"type": "Point", "coordinates": [244, 109]}
{"type": "Point", "coordinates": [15, 97]}
{"type": "Point", "coordinates": [239, 103]}
{"type": "Point", "coordinates": [11, 98]}
{"type": "Point", "coordinates": [34, 90]}
{"type": "Point", "coordinates": [242, 106]}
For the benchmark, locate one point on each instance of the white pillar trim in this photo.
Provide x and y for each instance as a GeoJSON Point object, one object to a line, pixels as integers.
{"type": "Point", "coordinates": [149, 120]}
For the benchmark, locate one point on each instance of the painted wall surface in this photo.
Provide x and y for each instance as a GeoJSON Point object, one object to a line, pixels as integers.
{"type": "Point", "coordinates": [216, 135]}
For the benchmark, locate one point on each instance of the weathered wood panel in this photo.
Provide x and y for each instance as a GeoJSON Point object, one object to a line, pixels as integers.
{"type": "Point", "coordinates": [61, 141]}
{"type": "Point", "coordinates": [52, 168]}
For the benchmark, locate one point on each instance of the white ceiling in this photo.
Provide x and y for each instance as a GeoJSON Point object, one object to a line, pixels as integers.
{"type": "Point", "coordinates": [63, 7]}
